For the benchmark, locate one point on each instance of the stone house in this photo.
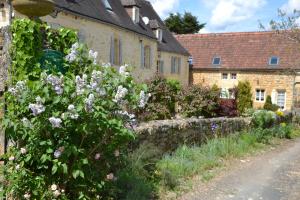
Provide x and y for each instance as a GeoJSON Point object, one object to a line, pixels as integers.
{"type": "Point", "coordinates": [268, 60]}
{"type": "Point", "coordinates": [123, 32]}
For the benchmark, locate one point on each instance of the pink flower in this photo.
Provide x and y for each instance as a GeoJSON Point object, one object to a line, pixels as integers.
{"type": "Point", "coordinates": [97, 156]}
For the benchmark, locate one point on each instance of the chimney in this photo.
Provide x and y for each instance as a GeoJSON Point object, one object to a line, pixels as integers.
{"type": "Point", "coordinates": [133, 9]}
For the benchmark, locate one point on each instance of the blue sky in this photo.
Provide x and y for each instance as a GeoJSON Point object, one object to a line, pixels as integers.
{"type": "Point", "coordinates": [228, 15]}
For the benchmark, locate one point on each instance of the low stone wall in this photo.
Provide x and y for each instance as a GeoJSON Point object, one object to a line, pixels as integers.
{"type": "Point", "coordinates": [169, 134]}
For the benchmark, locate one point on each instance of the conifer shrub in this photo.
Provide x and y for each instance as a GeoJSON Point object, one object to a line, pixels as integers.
{"type": "Point", "coordinates": [244, 96]}
{"type": "Point", "coordinates": [269, 105]}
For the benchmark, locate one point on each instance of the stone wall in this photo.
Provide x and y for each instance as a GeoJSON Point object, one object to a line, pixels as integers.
{"type": "Point", "coordinates": [270, 81]}
{"type": "Point", "coordinates": [170, 134]}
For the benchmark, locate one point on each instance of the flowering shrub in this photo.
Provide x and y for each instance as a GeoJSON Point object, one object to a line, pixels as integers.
{"type": "Point", "coordinates": [263, 119]}
{"type": "Point", "coordinates": [69, 132]}
{"type": "Point", "coordinates": [198, 101]}
{"type": "Point", "coordinates": [228, 107]}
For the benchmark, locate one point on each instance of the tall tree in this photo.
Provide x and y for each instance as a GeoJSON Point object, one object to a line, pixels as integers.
{"type": "Point", "coordinates": [185, 24]}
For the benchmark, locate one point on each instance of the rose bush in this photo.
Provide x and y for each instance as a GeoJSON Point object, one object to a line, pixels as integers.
{"type": "Point", "coordinates": [69, 132]}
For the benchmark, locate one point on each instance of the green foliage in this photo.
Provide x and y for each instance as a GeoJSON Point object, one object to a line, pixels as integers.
{"type": "Point", "coordinates": [196, 101]}
{"type": "Point", "coordinates": [183, 24]}
{"type": "Point", "coordinates": [163, 99]}
{"type": "Point", "coordinates": [269, 105]}
{"type": "Point", "coordinates": [69, 132]}
{"type": "Point", "coordinates": [244, 96]}
{"type": "Point", "coordinates": [264, 118]}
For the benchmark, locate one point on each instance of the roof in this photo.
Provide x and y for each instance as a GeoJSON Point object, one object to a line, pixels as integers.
{"type": "Point", "coordinates": [169, 43]}
{"type": "Point", "coordinates": [95, 10]}
{"type": "Point", "coordinates": [242, 50]}
{"type": "Point", "coordinates": [128, 3]}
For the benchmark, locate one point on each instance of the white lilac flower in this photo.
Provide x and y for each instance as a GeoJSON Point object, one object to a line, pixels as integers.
{"type": "Point", "coordinates": [27, 195]}
{"type": "Point", "coordinates": [126, 115]}
{"type": "Point", "coordinates": [96, 79]}
{"type": "Point", "coordinates": [26, 122]}
{"type": "Point", "coordinates": [23, 151]}
{"type": "Point", "coordinates": [117, 153]}
{"type": "Point", "coordinates": [81, 84]}
{"type": "Point", "coordinates": [121, 93]}
{"type": "Point", "coordinates": [11, 158]}
{"type": "Point", "coordinates": [72, 112]}
{"type": "Point", "coordinates": [18, 89]}
{"type": "Point", "coordinates": [37, 108]}
{"type": "Point", "coordinates": [143, 99]}
{"type": "Point", "coordinates": [72, 56]}
{"type": "Point", "coordinates": [18, 167]}
{"type": "Point", "coordinates": [56, 82]}
{"type": "Point", "coordinates": [123, 70]}
{"type": "Point", "coordinates": [53, 187]}
{"type": "Point", "coordinates": [57, 153]}
{"type": "Point", "coordinates": [93, 55]}
{"type": "Point", "coordinates": [106, 65]}
{"type": "Point", "coordinates": [56, 193]}
{"type": "Point", "coordinates": [89, 103]}
{"type": "Point", "coordinates": [55, 122]}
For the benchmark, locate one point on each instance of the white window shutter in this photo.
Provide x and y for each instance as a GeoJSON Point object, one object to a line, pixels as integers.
{"type": "Point", "coordinates": [112, 50]}
{"type": "Point", "coordinates": [274, 96]}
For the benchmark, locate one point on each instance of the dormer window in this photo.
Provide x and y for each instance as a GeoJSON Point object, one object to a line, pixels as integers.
{"type": "Point", "coordinates": [159, 35]}
{"type": "Point", "coordinates": [107, 5]}
{"type": "Point", "coordinates": [216, 61]}
{"type": "Point", "coordinates": [136, 14]}
{"type": "Point", "coordinates": [274, 60]}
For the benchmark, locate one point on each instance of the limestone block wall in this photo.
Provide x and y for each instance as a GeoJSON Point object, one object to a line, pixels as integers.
{"type": "Point", "coordinates": [183, 76]}
{"type": "Point", "coordinates": [98, 35]}
{"type": "Point", "coordinates": [170, 134]}
{"type": "Point", "coordinates": [270, 81]}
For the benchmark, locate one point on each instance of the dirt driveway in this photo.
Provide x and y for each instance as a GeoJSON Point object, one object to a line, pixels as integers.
{"type": "Point", "coordinates": [274, 175]}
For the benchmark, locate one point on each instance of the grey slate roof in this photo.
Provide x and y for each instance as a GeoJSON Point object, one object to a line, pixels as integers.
{"type": "Point", "coordinates": [154, 24]}
{"type": "Point", "coordinates": [95, 10]}
{"type": "Point", "coordinates": [169, 43]}
{"type": "Point", "coordinates": [130, 3]}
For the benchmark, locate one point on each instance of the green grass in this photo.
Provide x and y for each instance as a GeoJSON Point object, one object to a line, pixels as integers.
{"type": "Point", "coordinates": [186, 162]}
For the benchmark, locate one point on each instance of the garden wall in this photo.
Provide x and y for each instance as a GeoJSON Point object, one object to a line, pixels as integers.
{"type": "Point", "coordinates": [169, 134]}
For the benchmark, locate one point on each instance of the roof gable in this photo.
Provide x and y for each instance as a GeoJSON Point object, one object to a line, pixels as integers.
{"type": "Point", "coordinates": [249, 50]}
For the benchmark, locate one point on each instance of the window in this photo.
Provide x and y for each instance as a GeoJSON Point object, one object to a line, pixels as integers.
{"type": "Point", "coordinates": [3, 12]}
{"type": "Point", "coordinates": [233, 76]}
{"type": "Point", "coordinates": [160, 65]}
{"type": "Point", "coordinates": [107, 5]}
{"type": "Point", "coordinates": [216, 61]}
{"type": "Point", "coordinates": [190, 60]}
{"type": "Point", "coordinates": [159, 35]}
{"type": "Point", "coordinates": [115, 51]}
{"type": "Point", "coordinates": [281, 99]}
{"type": "Point", "coordinates": [260, 95]}
{"type": "Point", "coordinates": [136, 14]}
{"type": "Point", "coordinates": [147, 56]}
{"type": "Point", "coordinates": [274, 60]}
{"type": "Point", "coordinates": [175, 65]}
{"type": "Point", "coordinates": [227, 93]}
{"type": "Point", "coordinates": [224, 76]}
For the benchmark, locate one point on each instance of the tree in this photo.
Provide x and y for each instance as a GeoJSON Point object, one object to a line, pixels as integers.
{"type": "Point", "coordinates": [269, 105]}
{"type": "Point", "coordinates": [183, 24]}
{"type": "Point", "coordinates": [244, 96]}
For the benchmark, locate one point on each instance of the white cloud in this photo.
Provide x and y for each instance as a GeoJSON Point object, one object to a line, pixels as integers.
{"type": "Point", "coordinates": [164, 7]}
{"type": "Point", "coordinates": [229, 12]}
{"type": "Point", "coordinates": [291, 5]}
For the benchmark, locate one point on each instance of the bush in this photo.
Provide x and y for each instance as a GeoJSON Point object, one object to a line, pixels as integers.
{"type": "Point", "coordinates": [244, 96]}
{"type": "Point", "coordinates": [69, 132]}
{"type": "Point", "coordinates": [228, 108]}
{"type": "Point", "coordinates": [264, 119]}
{"type": "Point", "coordinates": [163, 99]}
{"type": "Point", "coordinates": [269, 105]}
{"type": "Point", "coordinates": [196, 101]}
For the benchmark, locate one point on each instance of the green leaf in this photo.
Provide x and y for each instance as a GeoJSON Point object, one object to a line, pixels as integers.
{"type": "Point", "coordinates": [54, 169]}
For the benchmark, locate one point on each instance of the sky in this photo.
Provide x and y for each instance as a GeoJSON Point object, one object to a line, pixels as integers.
{"type": "Point", "coordinates": [228, 15]}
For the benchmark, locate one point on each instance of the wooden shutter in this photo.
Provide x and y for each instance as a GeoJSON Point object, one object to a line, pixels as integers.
{"type": "Point", "coordinates": [179, 65]}
{"type": "Point", "coordinates": [120, 52]}
{"type": "Point", "coordinates": [142, 56]}
{"type": "Point", "coordinates": [112, 50]}
{"type": "Point", "coordinates": [172, 65]}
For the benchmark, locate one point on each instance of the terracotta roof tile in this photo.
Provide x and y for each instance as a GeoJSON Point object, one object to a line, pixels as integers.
{"type": "Point", "coordinates": [242, 50]}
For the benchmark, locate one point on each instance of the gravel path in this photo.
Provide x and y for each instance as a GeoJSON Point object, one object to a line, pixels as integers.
{"type": "Point", "coordinates": [274, 175]}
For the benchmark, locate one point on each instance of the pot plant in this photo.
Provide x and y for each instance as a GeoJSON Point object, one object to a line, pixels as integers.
{"type": "Point", "coordinates": [33, 8]}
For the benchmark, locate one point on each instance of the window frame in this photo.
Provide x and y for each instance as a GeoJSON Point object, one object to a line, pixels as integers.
{"type": "Point", "coordinates": [274, 57]}
{"type": "Point", "coordinates": [233, 77]}
{"type": "Point", "coordinates": [213, 61]}
{"type": "Point", "coordinates": [258, 95]}
{"type": "Point", "coordinates": [136, 14]}
{"type": "Point", "coordinates": [284, 100]}
{"type": "Point", "coordinates": [175, 65]}
{"type": "Point", "coordinates": [223, 75]}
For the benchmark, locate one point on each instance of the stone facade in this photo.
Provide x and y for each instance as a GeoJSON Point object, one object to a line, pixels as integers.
{"type": "Point", "coordinates": [168, 135]}
{"type": "Point", "coordinates": [269, 81]}
{"type": "Point", "coordinates": [98, 37]}
{"type": "Point", "coordinates": [182, 75]}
